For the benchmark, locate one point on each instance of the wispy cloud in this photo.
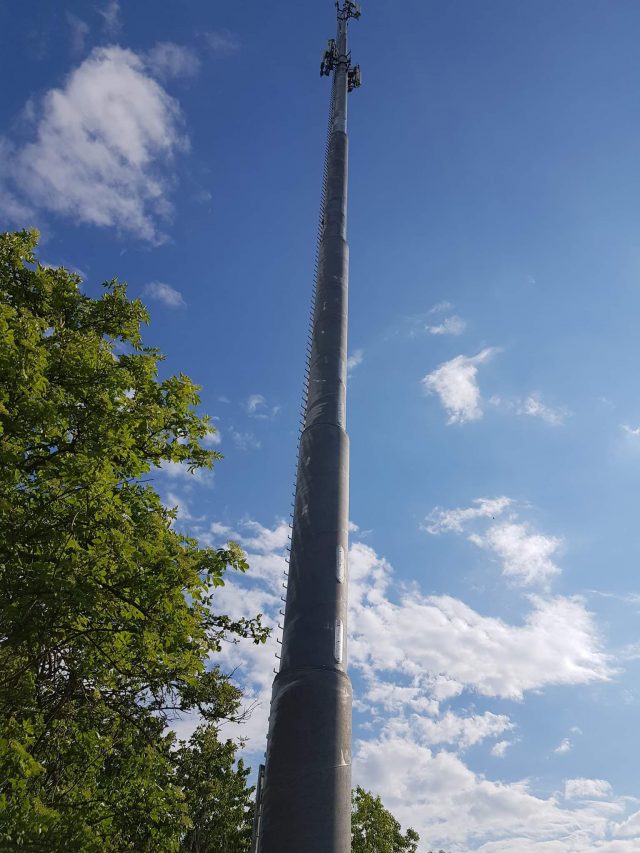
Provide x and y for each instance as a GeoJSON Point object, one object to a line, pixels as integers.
{"type": "Point", "coordinates": [167, 60]}
{"type": "Point", "coordinates": [454, 520]}
{"type": "Point", "coordinates": [164, 293]}
{"type": "Point", "coordinates": [255, 402]}
{"type": "Point", "coordinates": [455, 382]}
{"type": "Point", "coordinates": [245, 440]}
{"type": "Point", "coordinates": [221, 41]}
{"type": "Point", "coordinates": [355, 360]}
{"type": "Point", "coordinates": [78, 32]}
{"type": "Point", "coordinates": [635, 431]}
{"type": "Point", "coordinates": [453, 325]}
{"type": "Point", "coordinates": [534, 407]}
{"type": "Point", "coordinates": [110, 13]}
{"type": "Point", "coordinates": [102, 149]}
{"type": "Point", "coordinates": [441, 307]}
{"type": "Point", "coordinates": [258, 407]}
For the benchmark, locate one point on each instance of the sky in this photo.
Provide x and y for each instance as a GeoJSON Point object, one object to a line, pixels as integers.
{"type": "Point", "coordinates": [493, 409]}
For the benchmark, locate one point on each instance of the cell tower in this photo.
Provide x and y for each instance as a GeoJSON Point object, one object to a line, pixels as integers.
{"type": "Point", "coordinates": [305, 794]}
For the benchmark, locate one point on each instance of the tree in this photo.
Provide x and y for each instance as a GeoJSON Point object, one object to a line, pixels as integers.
{"type": "Point", "coordinates": [375, 830]}
{"type": "Point", "coordinates": [107, 614]}
{"type": "Point", "coordinates": [219, 801]}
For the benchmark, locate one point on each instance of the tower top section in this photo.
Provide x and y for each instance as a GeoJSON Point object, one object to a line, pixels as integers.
{"type": "Point", "coordinates": [336, 53]}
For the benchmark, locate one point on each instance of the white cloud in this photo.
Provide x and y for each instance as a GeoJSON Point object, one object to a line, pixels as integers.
{"type": "Point", "coordinates": [535, 408]}
{"type": "Point", "coordinates": [355, 360]}
{"type": "Point", "coordinates": [414, 652]}
{"type": "Point", "coordinates": [456, 384]}
{"type": "Point", "coordinates": [428, 640]}
{"type": "Point", "coordinates": [257, 407]}
{"type": "Point", "coordinates": [453, 325]}
{"type": "Point", "coordinates": [221, 41]}
{"type": "Point", "coordinates": [213, 438]}
{"type": "Point", "coordinates": [586, 789]}
{"type": "Point", "coordinates": [454, 808]}
{"type": "Point", "coordinates": [526, 557]}
{"type": "Point", "coordinates": [265, 539]}
{"type": "Point", "coordinates": [78, 32]}
{"type": "Point", "coordinates": [111, 17]}
{"type": "Point", "coordinates": [245, 440]}
{"type": "Point", "coordinates": [255, 402]}
{"type": "Point", "coordinates": [164, 293]}
{"type": "Point", "coordinates": [103, 144]}
{"type": "Point", "coordinates": [628, 828]}
{"type": "Point", "coordinates": [498, 750]}
{"type": "Point", "coordinates": [443, 520]}
{"type": "Point", "coordinates": [631, 430]}
{"type": "Point", "coordinates": [440, 308]}
{"type": "Point", "coordinates": [177, 502]}
{"type": "Point", "coordinates": [167, 60]}
{"type": "Point", "coordinates": [462, 731]}
{"type": "Point", "coordinates": [180, 471]}
{"type": "Point", "coordinates": [565, 745]}
{"type": "Point", "coordinates": [219, 529]}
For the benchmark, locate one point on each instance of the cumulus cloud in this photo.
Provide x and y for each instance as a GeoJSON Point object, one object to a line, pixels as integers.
{"type": "Point", "coordinates": [213, 438]}
{"type": "Point", "coordinates": [462, 731]}
{"type": "Point", "coordinates": [434, 641]}
{"type": "Point", "coordinates": [168, 59]}
{"type": "Point", "coordinates": [498, 750]}
{"type": "Point", "coordinates": [264, 539]}
{"type": "Point", "coordinates": [586, 789]}
{"type": "Point", "coordinates": [102, 150]}
{"type": "Point", "coordinates": [455, 382]}
{"type": "Point", "coordinates": [525, 556]}
{"type": "Point", "coordinates": [164, 293]}
{"type": "Point", "coordinates": [414, 652]}
{"type": "Point", "coordinates": [455, 808]}
{"type": "Point", "coordinates": [177, 471]}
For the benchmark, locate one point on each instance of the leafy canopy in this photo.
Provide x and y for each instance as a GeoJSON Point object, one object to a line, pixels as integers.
{"type": "Point", "coordinates": [107, 614]}
{"type": "Point", "coordinates": [375, 830]}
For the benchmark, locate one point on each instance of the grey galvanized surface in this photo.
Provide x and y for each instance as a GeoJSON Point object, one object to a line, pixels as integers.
{"type": "Point", "coordinates": [306, 797]}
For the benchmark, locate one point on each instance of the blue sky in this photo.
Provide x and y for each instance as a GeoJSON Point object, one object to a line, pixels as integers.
{"type": "Point", "coordinates": [493, 406]}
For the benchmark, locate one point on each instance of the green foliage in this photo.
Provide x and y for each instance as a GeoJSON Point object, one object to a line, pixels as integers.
{"type": "Point", "coordinates": [107, 614]}
{"type": "Point", "coordinates": [219, 802]}
{"type": "Point", "coordinates": [375, 830]}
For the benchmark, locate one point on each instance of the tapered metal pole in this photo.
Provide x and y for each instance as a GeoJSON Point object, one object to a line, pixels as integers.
{"type": "Point", "coordinates": [306, 796]}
